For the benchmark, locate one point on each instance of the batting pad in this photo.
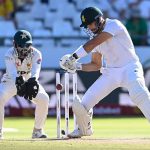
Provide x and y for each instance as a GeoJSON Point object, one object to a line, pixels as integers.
{"type": "Point", "coordinates": [141, 97]}
{"type": "Point", "coordinates": [83, 117]}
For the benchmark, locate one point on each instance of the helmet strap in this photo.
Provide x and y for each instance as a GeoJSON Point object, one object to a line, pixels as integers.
{"type": "Point", "coordinates": [100, 23]}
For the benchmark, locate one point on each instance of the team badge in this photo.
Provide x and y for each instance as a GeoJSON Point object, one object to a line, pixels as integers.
{"type": "Point", "coordinates": [83, 18]}
{"type": "Point", "coordinates": [18, 63]}
{"type": "Point", "coordinates": [23, 35]}
{"type": "Point", "coordinates": [29, 65]}
{"type": "Point", "coordinates": [39, 61]}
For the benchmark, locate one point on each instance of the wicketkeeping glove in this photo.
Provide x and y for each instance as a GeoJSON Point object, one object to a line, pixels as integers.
{"type": "Point", "coordinates": [20, 85]}
{"type": "Point", "coordinates": [32, 88]}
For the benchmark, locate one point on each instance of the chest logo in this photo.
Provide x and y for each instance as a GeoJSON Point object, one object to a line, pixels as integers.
{"type": "Point", "coordinates": [29, 65]}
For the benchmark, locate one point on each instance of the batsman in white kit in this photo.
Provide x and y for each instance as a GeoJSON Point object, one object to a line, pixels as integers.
{"type": "Point", "coordinates": [109, 40]}
{"type": "Point", "coordinates": [23, 65]}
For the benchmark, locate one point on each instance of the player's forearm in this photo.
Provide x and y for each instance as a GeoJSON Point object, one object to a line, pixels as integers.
{"type": "Point", "coordinates": [35, 73]}
{"type": "Point", "coordinates": [36, 66]}
{"type": "Point", "coordinates": [83, 50]}
{"type": "Point", "coordinates": [90, 45]}
{"type": "Point", "coordinates": [90, 67]}
{"type": "Point", "coordinates": [11, 68]}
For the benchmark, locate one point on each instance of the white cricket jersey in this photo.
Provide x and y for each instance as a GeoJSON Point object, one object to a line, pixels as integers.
{"type": "Point", "coordinates": [29, 67]}
{"type": "Point", "coordinates": [117, 51]}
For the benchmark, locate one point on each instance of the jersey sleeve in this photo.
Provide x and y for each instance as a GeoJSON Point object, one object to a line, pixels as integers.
{"type": "Point", "coordinates": [113, 27]}
{"type": "Point", "coordinates": [94, 50]}
{"type": "Point", "coordinates": [10, 66]}
{"type": "Point", "coordinates": [36, 65]}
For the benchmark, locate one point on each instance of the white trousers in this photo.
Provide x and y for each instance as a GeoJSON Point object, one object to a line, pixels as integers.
{"type": "Point", "coordinates": [130, 77]}
{"type": "Point", "coordinates": [8, 90]}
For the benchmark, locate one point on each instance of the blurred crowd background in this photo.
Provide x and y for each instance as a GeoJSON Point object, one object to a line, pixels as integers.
{"type": "Point", "coordinates": [54, 24]}
{"type": "Point", "coordinates": [61, 17]}
{"type": "Point", "coordinates": [58, 20]}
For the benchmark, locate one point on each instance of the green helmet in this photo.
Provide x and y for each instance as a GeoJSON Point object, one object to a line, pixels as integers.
{"type": "Point", "coordinates": [89, 15]}
{"type": "Point", "coordinates": [22, 43]}
{"type": "Point", "coordinates": [22, 37]}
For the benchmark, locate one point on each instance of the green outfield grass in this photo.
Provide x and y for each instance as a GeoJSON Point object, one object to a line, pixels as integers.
{"type": "Point", "coordinates": [109, 134]}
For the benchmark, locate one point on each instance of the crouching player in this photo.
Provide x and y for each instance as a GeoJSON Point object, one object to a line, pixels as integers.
{"type": "Point", "coordinates": [23, 64]}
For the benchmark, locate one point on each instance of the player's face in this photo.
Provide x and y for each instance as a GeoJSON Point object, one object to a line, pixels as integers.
{"type": "Point", "coordinates": [23, 51]}
{"type": "Point", "coordinates": [93, 27]}
{"type": "Point", "coordinates": [97, 26]}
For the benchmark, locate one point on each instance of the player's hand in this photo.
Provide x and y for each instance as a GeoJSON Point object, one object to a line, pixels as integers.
{"type": "Point", "coordinates": [69, 63]}
{"type": "Point", "coordinates": [32, 88]}
{"type": "Point", "coordinates": [75, 66]}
